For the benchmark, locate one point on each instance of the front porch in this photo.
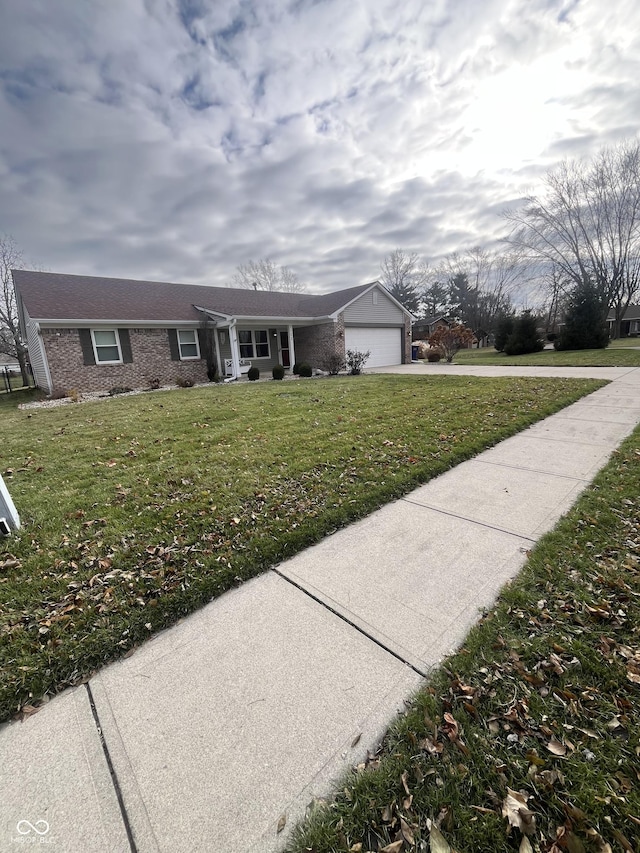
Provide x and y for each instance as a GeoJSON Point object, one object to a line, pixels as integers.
{"type": "Point", "coordinates": [239, 347]}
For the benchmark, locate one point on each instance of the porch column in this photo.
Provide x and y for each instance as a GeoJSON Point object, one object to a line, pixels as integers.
{"type": "Point", "coordinates": [218, 356]}
{"type": "Point", "coordinates": [292, 351]}
{"type": "Point", "coordinates": [235, 352]}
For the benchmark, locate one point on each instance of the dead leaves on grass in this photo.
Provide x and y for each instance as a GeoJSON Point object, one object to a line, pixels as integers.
{"type": "Point", "coordinates": [537, 712]}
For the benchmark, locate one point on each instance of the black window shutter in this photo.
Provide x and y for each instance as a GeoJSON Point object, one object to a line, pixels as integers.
{"type": "Point", "coordinates": [87, 347]}
{"type": "Point", "coordinates": [125, 346]}
{"type": "Point", "coordinates": [173, 345]}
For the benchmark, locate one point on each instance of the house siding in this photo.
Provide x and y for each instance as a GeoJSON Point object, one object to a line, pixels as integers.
{"type": "Point", "coordinates": [151, 361]}
{"type": "Point", "coordinates": [364, 312]}
{"type": "Point", "coordinates": [37, 356]}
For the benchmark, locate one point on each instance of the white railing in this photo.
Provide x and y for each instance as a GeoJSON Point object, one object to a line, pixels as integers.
{"type": "Point", "coordinates": [244, 364]}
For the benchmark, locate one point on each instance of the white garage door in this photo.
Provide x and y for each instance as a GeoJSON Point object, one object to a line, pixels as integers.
{"type": "Point", "coordinates": [385, 345]}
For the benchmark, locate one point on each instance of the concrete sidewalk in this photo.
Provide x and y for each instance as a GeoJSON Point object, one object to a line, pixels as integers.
{"type": "Point", "coordinates": [251, 707]}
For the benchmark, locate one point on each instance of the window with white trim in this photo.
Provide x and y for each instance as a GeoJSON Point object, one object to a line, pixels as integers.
{"type": "Point", "coordinates": [254, 343]}
{"type": "Point", "coordinates": [188, 344]}
{"type": "Point", "coordinates": [106, 346]}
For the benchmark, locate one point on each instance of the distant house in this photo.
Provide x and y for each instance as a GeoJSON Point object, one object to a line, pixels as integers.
{"type": "Point", "coordinates": [424, 328]}
{"type": "Point", "coordinates": [630, 324]}
{"type": "Point", "coordinates": [93, 334]}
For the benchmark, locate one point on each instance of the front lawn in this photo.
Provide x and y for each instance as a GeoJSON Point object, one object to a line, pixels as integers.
{"type": "Point", "coordinates": [138, 510]}
{"type": "Point", "coordinates": [610, 357]}
{"type": "Point", "coordinates": [527, 739]}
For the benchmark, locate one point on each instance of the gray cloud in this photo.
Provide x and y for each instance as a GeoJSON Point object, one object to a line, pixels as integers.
{"type": "Point", "coordinates": [175, 139]}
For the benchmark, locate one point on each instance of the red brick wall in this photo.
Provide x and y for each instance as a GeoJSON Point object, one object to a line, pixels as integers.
{"type": "Point", "coordinates": [151, 361]}
{"type": "Point", "coordinates": [313, 343]}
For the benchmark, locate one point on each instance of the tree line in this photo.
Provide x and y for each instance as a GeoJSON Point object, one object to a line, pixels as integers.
{"type": "Point", "coordinates": [577, 243]}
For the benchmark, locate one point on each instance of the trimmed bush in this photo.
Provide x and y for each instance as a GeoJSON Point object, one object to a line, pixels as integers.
{"type": "Point", "coordinates": [278, 372]}
{"type": "Point", "coordinates": [181, 382]}
{"type": "Point", "coordinates": [356, 360]}
{"type": "Point", "coordinates": [253, 373]}
{"type": "Point", "coordinates": [333, 363]}
{"type": "Point", "coordinates": [119, 389]}
{"type": "Point", "coordinates": [305, 369]}
{"type": "Point", "coordinates": [296, 369]}
{"type": "Point", "coordinates": [434, 355]}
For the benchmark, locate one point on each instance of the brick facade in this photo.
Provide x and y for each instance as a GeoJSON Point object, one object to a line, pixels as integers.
{"type": "Point", "coordinates": [151, 361]}
{"type": "Point", "coordinates": [406, 350]}
{"type": "Point", "coordinates": [314, 343]}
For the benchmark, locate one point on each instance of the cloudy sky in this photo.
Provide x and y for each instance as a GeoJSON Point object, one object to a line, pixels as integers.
{"type": "Point", "coordinates": [176, 139]}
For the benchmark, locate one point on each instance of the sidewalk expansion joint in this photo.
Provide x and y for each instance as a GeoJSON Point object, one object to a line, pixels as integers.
{"type": "Point", "coordinates": [471, 520]}
{"type": "Point", "coordinates": [112, 772]}
{"type": "Point", "coordinates": [352, 624]}
{"type": "Point", "coordinates": [586, 479]}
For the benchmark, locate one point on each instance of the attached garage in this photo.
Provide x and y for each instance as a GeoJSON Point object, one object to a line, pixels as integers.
{"type": "Point", "coordinates": [384, 344]}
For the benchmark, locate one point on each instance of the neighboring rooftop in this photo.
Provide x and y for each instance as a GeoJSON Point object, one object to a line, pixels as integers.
{"type": "Point", "coordinates": [632, 313]}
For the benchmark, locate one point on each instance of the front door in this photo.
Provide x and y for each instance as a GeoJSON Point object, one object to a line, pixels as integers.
{"type": "Point", "coordinates": [284, 349]}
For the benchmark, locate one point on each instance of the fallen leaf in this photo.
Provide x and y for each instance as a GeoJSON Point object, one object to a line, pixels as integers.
{"type": "Point", "coordinates": [395, 847]}
{"type": "Point", "coordinates": [556, 747]}
{"type": "Point", "coordinates": [623, 841]}
{"type": "Point", "coordinates": [28, 711]}
{"type": "Point", "coordinates": [404, 782]}
{"type": "Point", "coordinates": [451, 727]}
{"type": "Point", "coordinates": [514, 808]}
{"type": "Point", "coordinates": [387, 813]}
{"type": "Point", "coordinates": [407, 832]}
{"type": "Point", "coordinates": [281, 823]}
{"type": "Point", "coordinates": [525, 845]}
{"type": "Point", "coordinates": [356, 739]}
{"type": "Point", "coordinates": [437, 841]}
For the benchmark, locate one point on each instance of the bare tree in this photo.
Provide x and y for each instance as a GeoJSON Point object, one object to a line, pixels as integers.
{"type": "Point", "coordinates": [267, 275]}
{"type": "Point", "coordinates": [404, 276]}
{"type": "Point", "coordinates": [587, 224]}
{"type": "Point", "coordinates": [480, 284]}
{"type": "Point", "coordinates": [11, 342]}
{"type": "Point", "coordinates": [552, 289]}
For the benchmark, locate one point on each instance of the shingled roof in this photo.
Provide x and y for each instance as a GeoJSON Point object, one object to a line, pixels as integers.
{"type": "Point", "coordinates": [58, 296]}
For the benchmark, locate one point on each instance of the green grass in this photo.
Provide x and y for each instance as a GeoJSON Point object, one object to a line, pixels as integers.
{"type": "Point", "coordinates": [15, 382]}
{"type": "Point", "coordinates": [138, 510]}
{"type": "Point", "coordinates": [543, 698]}
{"type": "Point", "coordinates": [610, 357]}
{"type": "Point", "coordinates": [10, 402]}
{"type": "Point", "coordinates": [623, 343]}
